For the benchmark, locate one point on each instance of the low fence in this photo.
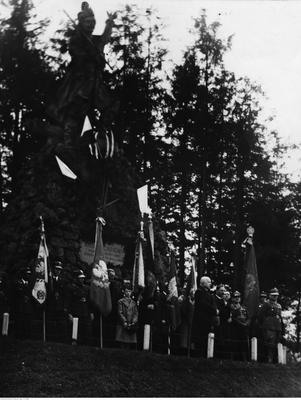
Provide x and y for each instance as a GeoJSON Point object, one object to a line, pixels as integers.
{"type": "Point", "coordinates": [149, 338]}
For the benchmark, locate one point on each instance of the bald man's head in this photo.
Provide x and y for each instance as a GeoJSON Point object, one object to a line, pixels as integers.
{"type": "Point", "coordinates": [205, 282]}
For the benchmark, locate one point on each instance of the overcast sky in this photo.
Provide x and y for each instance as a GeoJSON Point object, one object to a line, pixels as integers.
{"type": "Point", "coordinates": [266, 46]}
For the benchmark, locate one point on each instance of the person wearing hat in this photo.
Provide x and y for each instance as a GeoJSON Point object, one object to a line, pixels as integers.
{"type": "Point", "coordinates": [271, 323]}
{"type": "Point", "coordinates": [126, 327]}
{"type": "Point", "coordinates": [57, 318]}
{"type": "Point", "coordinates": [78, 306]}
{"type": "Point", "coordinates": [57, 270]}
{"type": "Point", "coordinates": [160, 320]}
{"type": "Point", "coordinates": [239, 328]}
{"type": "Point", "coordinates": [256, 328]}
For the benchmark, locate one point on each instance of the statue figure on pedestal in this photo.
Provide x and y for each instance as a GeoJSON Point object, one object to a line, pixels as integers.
{"type": "Point", "coordinates": [83, 94]}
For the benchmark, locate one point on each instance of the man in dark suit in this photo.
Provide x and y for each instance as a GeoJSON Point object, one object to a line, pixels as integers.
{"type": "Point", "coordinates": [222, 328]}
{"type": "Point", "coordinates": [205, 312]}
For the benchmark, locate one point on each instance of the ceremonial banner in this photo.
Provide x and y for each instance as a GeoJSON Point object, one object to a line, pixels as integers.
{"type": "Point", "coordinates": [251, 284]}
{"type": "Point", "coordinates": [151, 236]}
{"type": "Point", "coordinates": [173, 307]}
{"type": "Point", "coordinates": [138, 271]}
{"type": "Point", "coordinates": [41, 270]}
{"type": "Point", "coordinates": [100, 294]}
{"type": "Point", "coordinates": [39, 291]}
{"type": "Point", "coordinates": [172, 278]}
{"type": "Point", "coordinates": [192, 279]}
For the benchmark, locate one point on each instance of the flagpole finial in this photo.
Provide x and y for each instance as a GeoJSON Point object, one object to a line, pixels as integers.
{"type": "Point", "coordinates": [250, 231]}
{"type": "Point", "coordinates": [249, 238]}
{"type": "Point", "coordinates": [42, 224]}
{"type": "Point", "coordinates": [101, 220]}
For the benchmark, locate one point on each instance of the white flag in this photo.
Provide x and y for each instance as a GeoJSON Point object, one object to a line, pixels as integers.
{"type": "Point", "coordinates": [87, 126]}
{"type": "Point", "coordinates": [65, 170]}
{"type": "Point", "coordinates": [142, 199]}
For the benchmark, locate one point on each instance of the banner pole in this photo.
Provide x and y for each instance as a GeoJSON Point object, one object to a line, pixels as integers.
{"type": "Point", "coordinates": [188, 340]}
{"type": "Point", "coordinates": [168, 349]}
{"type": "Point", "coordinates": [44, 326]}
{"type": "Point", "coordinates": [100, 331]}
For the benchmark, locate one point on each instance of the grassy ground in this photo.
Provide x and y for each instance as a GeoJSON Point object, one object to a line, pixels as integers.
{"type": "Point", "coordinates": [34, 369]}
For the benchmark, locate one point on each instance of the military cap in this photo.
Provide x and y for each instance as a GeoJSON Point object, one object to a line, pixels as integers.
{"type": "Point", "coordinates": [263, 294]}
{"type": "Point", "coordinates": [81, 274]}
{"type": "Point", "coordinates": [274, 292]}
{"type": "Point", "coordinates": [127, 284]}
{"type": "Point", "coordinates": [236, 294]}
{"type": "Point", "coordinates": [58, 265]}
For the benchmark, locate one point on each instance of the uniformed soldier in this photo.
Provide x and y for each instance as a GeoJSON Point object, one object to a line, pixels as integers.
{"type": "Point", "coordinates": [256, 328]}
{"type": "Point", "coordinates": [271, 324]}
{"type": "Point", "coordinates": [160, 324]}
{"type": "Point", "coordinates": [78, 306]}
{"type": "Point", "coordinates": [239, 328]}
{"type": "Point", "coordinates": [56, 314]}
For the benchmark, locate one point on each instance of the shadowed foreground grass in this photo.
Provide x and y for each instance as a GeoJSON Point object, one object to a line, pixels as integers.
{"type": "Point", "coordinates": [34, 369]}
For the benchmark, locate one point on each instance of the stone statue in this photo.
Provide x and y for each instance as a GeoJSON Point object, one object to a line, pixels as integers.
{"type": "Point", "coordinates": [82, 94]}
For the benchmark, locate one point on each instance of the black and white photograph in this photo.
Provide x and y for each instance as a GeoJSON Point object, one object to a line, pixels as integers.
{"type": "Point", "coordinates": [150, 199]}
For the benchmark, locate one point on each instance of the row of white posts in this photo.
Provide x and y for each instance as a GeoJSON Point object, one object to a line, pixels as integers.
{"type": "Point", "coordinates": [210, 346]}
{"type": "Point", "coordinates": [147, 335]}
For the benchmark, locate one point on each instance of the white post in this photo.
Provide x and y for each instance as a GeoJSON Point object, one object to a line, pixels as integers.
{"type": "Point", "coordinates": [284, 354]}
{"type": "Point", "coordinates": [5, 324]}
{"type": "Point", "coordinates": [280, 353]}
{"type": "Point", "coordinates": [146, 337]}
{"type": "Point", "coordinates": [254, 349]}
{"type": "Point", "coordinates": [210, 346]}
{"type": "Point", "coordinates": [74, 328]}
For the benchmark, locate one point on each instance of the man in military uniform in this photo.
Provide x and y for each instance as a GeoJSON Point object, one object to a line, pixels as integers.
{"type": "Point", "coordinates": [239, 328]}
{"type": "Point", "coordinates": [271, 324]}
{"type": "Point", "coordinates": [78, 306]}
{"type": "Point", "coordinates": [56, 314]}
{"type": "Point", "coordinates": [160, 322]}
{"type": "Point", "coordinates": [256, 328]}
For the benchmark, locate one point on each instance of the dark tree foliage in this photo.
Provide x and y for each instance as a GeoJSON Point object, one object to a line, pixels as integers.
{"type": "Point", "coordinates": [26, 80]}
{"type": "Point", "coordinates": [194, 137]}
{"type": "Point", "coordinates": [220, 176]}
{"type": "Point", "coordinates": [138, 53]}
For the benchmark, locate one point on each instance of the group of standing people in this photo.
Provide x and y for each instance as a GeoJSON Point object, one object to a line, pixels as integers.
{"type": "Point", "coordinates": [179, 325]}
{"type": "Point", "coordinates": [68, 297]}
{"type": "Point", "coordinates": [224, 315]}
